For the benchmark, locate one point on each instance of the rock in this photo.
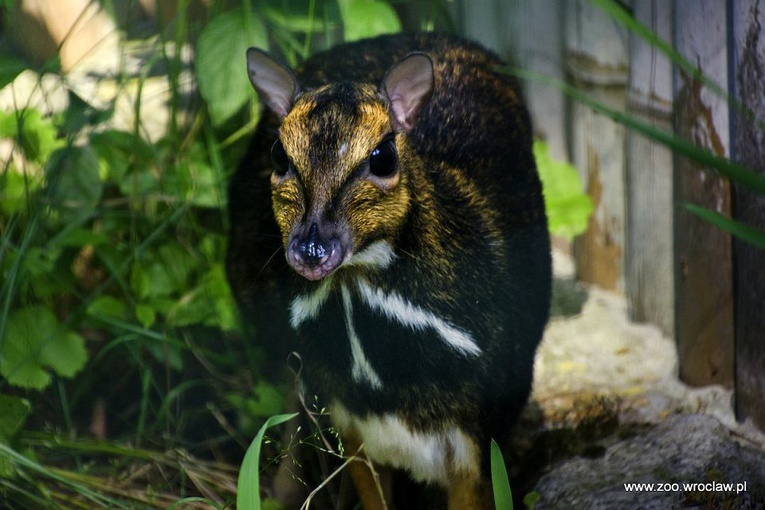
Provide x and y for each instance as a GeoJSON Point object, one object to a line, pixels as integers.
{"type": "Point", "coordinates": [74, 30]}
{"type": "Point", "coordinates": [684, 450]}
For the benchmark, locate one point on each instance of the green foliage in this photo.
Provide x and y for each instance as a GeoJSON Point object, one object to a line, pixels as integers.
{"type": "Point", "coordinates": [35, 341]}
{"type": "Point", "coordinates": [531, 499]}
{"type": "Point", "coordinates": [503, 497]}
{"type": "Point", "coordinates": [220, 64]}
{"type": "Point", "coordinates": [10, 68]}
{"type": "Point", "coordinates": [112, 279]}
{"type": "Point", "coordinates": [736, 228]}
{"type": "Point", "coordinates": [36, 136]}
{"type": "Point", "coordinates": [568, 207]}
{"type": "Point", "coordinates": [248, 484]}
{"type": "Point", "coordinates": [367, 18]}
{"type": "Point", "coordinates": [73, 183]}
{"type": "Point", "coordinates": [13, 414]}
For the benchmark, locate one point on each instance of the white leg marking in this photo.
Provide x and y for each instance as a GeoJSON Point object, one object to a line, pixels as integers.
{"type": "Point", "coordinates": [308, 306]}
{"type": "Point", "coordinates": [361, 370]}
{"type": "Point", "coordinates": [428, 456]}
{"type": "Point", "coordinates": [379, 255]}
{"type": "Point", "coordinates": [399, 309]}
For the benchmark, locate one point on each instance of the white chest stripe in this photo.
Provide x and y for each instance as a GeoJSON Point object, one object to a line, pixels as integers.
{"type": "Point", "coordinates": [378, 255]}
{"type": "Point", "coordinates": [400, 310]}
{"type": "Point", "coordinates": [308, 306]}
{"type": "Point", "coordinates": [361, 370]}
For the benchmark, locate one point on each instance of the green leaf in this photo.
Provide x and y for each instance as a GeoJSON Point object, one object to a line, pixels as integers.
{"type": "Point", "coordinates": [367, 18]}
{"type": "Point", "coordinates": [503, 497]}
{"type": "Point", "coordinates": [10, 68]}
{"type": "Point", "coordinates": [37, 135]}
{"type": "Point", "coordinates": [145, 315]}
{"type": "Point", "coordinates": [266, 400]}
{"type": "Point", "coordinates": [209, 304]}
{"type": "Point", "coordinates": [74, 182]}
{"type": "Point", "coordinates": [45, 276]}
{"type": "Point", "coordinates": [568, 207]}
{"type": "Point", "coordinates": [221, 66]}
{"type": "Point", "coordinates": [108, 306]}
{"type": "Point", "coordinates": [79, 114]}
{"type": "Point", "coordinates": [196, 183]}
{"type": "Point", "coordinates": [16, 190]}
{"type": "Point", "coordinates": [296, 22]}
{"type": "Point", "coordinates": [167, 353]}
{"type": "Point", "coordinates": [33, 342]}
{"type": "Point", "coordinates": [119, 150]}
{"type": "Point", "coordinates": [531, 499]}
{"type": "Point", "coordinates": [736, 228]}
{"type": "Point", "coordinates": [163, 272]}
{"type": "Point", "coordinates": [13, 414]}
{"type": "Point", "coordinates": [248, 483]}
{"type": "Point", "coordinates": [79, 237]}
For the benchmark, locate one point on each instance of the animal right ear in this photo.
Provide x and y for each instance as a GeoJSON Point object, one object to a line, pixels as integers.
{"type": "Point", "coordinates": [408, 86]}
{"type": "Point", "coordinates": [274, 82]}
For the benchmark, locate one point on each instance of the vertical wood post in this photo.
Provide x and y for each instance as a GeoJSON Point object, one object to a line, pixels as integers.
{"type": "Point", "coordinates": [649, 249]}
{"type": "Point", "coordinates": [703, 272]}
{"type": "Point", "coordinates": [527, 33]}
{"type": "Point", "coordinates": [748, 82]}
{"type": "Point", "coordinates": [596, 56]}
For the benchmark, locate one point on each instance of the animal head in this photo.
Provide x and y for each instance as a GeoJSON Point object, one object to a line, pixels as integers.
{"type": "Point", "coordinates": [341, 164]}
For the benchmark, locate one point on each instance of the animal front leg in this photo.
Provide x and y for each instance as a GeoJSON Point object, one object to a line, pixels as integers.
{"type": "Point", "coordinates": [373, 487]}
{"type": "Point", "coordinates": [467, 492]}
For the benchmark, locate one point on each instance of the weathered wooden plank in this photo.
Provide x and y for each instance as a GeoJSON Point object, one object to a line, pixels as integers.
{"type": "Point", "coordinates": [649, 250]}
{"type": "Point", "coordinates": [749, 261]}
{"type": "Point", "coordinates": [703, 272]}
{"type": "Point", "coordinates": [528, 33]}
{"type": "Point", "coordinates": [597, 143]}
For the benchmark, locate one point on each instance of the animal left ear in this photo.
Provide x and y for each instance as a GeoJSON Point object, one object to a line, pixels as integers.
{"type": "Point", "coordinates": [407, 86]}
{"type": "Point", "coordinates": [275, 83]}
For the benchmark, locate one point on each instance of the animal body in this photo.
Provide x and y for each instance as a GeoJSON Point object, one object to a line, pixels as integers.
{"type": "Point", "coordinates": [388, 225]}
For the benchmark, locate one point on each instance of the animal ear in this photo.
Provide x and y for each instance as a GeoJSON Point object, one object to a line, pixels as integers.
{"type": "Point", "coordinates": [407, 86]}
{"type": "Point", "coordinates": [274, 82]}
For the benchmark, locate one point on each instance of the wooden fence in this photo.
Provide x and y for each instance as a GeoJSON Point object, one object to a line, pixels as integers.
{"type": "Point", "coordinates": [678, 272]}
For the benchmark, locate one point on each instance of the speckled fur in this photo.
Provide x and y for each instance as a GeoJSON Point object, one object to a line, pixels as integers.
{"type": "Point", "coordinates": [466, 221]}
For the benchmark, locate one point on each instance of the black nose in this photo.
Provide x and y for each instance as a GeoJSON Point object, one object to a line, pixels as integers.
{"type": "Point", "coordinates": [316, 253]}
{"type": "Point", "coordinates": [312, 250]}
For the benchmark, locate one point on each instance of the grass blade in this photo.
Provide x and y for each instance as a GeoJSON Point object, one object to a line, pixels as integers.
{"type": "Point", "coordinates": [23, 462]}
{"type": "Point", "coordinates": [735, 228]}
{"type": "Point", "coordinates": [617, 11]}
{"type": "Point", "coordinates": [503, 497]}
{"type": "Point", "coordinates": [739, 173]}
{"type": "Point", "coordinates": [248, 484]}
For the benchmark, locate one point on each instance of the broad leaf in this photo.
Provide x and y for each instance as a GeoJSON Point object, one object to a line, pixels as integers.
{"type": "Point", "coordinates": [568, 207]}
{"type": "Point", "coordinates": [74, 182]}
{"type": "Point", "coordinates": [13, 414]}
{"type": "Point", "coordinates": [34, 343]}
{"type": "Point", "coordinates": [10, 68]}
{"type": "Point", "coordinates": [209, 304]}
{"type": "Point", "coordinates": [221, 66]}
{"type": "Point", "coordinates": [367, 18]}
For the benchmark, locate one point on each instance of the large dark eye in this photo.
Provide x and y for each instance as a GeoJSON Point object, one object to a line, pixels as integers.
{"type": "Point", "coordinates": [279, 159]}
{"type": "Point", "coordinates": [383, 162]}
